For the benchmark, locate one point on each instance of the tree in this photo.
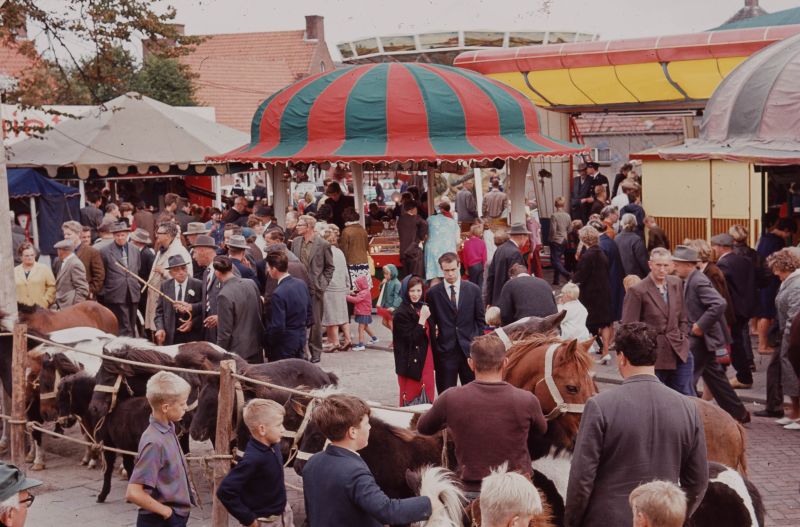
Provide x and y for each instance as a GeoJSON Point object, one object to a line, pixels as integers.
{"type": "Point", "coordinates": [165, 80]}
{"type": "Point", "coordinates": [106, 26]}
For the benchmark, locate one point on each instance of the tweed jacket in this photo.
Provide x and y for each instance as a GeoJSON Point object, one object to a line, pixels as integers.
{"type": "Point", "coordinates": [71, 285]}
{"type": "Point", "coordinates": [644, 303]}
{"type": "Point", "coordinates": [239, 329]}
{"type": "Point", "coordinates": [93, 263]}
{"type": "Point", "coordinates": [119, 287]}
{"type": "Point", "coordinates": [706, 308]}
{"type": "Point", "coordinates": [320, 262]}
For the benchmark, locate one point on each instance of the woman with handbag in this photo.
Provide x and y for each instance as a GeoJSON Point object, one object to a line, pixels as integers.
{"type": "Point", "coordinates": [413, 359]}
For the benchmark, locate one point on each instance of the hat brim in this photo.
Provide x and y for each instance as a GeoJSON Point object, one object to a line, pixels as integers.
{"type": "Point", "coordinates": [176, 266]}
{"type": "Point", "coordinates": [676, 259]}
{"type": "Point", "coordinates": [211, 245]}
{"type": "Point", "coordinates": [244, 247]}
{"type": "Point", "coordinates": [189, 233]}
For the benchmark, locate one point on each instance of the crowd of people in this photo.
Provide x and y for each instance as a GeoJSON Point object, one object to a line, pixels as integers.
{"type": "Point", "coordinates": [266, 291]}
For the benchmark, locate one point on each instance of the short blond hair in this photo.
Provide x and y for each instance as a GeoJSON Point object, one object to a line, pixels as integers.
{"type": "Point", "coordinates": [630, 281]}
{"type": "Point", "coordinates": [559, 202]}
{"type": "Point", "coordinates": [507, 494]}
{"type": "Point", "coordinates": [660, 252]}
{"type": "Point", "coordinates": [492, 317]}
{"type": "Point", "coordinates": [571, 290]}
{"type": "Point", "coordinates": [310, 221]}
{"type": "Point", "coordinates": [257, 411]}
{"type": "Point", "coordinates": [661, 502]}
{"type": "Point", "coordinates": [166, 388]}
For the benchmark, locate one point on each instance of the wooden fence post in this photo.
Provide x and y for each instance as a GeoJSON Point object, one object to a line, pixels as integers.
{"type": "Point", "coordinates": [219, 515]}
{"type": "Point", "coordinates": [17, 430]}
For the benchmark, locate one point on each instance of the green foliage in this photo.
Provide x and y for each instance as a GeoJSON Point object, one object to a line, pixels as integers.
{"type": "Point", "coordinates": [165, 80]}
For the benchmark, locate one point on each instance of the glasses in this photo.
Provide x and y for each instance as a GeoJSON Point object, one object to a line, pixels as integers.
{"type": "Point", "coordinates": [28, 502]}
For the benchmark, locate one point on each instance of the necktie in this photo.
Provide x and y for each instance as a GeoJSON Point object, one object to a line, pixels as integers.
{"type": "Point", "coordinates": [453, 296]}
{"type": "Point", "coordinates": [180, 293]}
{"type": "Point", "coordinates": [209, 282]}
{"type": "Point", "coordinates": [124, 255]}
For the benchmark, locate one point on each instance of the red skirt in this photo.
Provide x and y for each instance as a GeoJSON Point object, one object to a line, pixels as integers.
{"type": "Point", "coordinates": [410, 389]}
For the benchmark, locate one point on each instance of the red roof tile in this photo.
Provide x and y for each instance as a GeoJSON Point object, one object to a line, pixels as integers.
{"type": "Point", "coordinates": [621, 124]}
{"type": "Point", "coordinates": [12, 62]}
{"type": "Point", "coordinates": [237, 71]}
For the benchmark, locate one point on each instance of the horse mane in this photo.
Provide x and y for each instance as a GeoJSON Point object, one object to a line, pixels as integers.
{"type": "Point", "coordinates": [440, 484]}
{"type": "Point", "coordinates": [208, 358]}
{"type": "Point", "coordinates": [28, 309]}
{"type": "Point", "coordinates": [147, 356]}
{"type": "Point", "coordinates": [64, 364]}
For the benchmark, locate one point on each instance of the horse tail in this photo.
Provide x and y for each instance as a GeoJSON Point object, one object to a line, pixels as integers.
{"type": "Point", "coordinates": [741, 464]}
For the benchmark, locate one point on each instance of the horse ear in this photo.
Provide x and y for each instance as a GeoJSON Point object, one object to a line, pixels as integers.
{"type": "Point", "coordinates": [299, 407]}
{"type": "Point", "coordinates": [572, 347]}
{"type": "Point", "coordinates": [413, 480]}
{"type": "Point", "coordinates": [554, 321]}
{"type": "Point", "coordinates": [586, 345]}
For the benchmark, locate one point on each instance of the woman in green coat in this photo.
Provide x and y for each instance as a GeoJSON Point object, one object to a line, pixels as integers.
{"type": "Point", "coordinates": [389, 298]}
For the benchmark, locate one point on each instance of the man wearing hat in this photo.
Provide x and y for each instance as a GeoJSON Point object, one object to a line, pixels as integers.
{"type": "Point", "coordinates": [15, 498]}
{"type": "Point", "coordinates": [705, 311]}
{"type": "Point", "coordinates": [237, 249]}
{"type": "Point", "coordinates": [740, 275]}
{"type": "Point", "coordinates": [71, 284]}
{"type": "Point", "coordinates": [204, 309]}
{"type": "Point", "coordinates": [193, 230]}
{"type": "Point", "coordinates": [142, 240]}
{"type": "Point", "coordinates": [171, 326]}
{"type": "Point", "coordinates": [596, 178]}
{"type": "Point", "coordinates": [239, 326]}
{"type": "Point", "coordinates": [105, 234]}
{"type": "Point", "coordinates": [582, 195]}
{"type": "Point", "coordinates": [121, 291]}
{"type": "Point", "coordinates": [168, 243]}
{"type": "Point", "coordinates": [505, 256]}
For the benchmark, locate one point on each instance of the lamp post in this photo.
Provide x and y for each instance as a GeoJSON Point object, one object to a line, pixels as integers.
{"type": "Point", "coordinates": [8, 289]}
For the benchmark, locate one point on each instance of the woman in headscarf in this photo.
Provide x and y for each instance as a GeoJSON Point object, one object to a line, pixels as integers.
{"type": "Point", "coordinates": [413, 358]}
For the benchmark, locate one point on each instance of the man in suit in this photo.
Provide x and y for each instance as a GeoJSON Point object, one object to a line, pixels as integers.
{"type": "Point", "coordinates": [506, 255]}
{"type": "Point", "coordinates": [237, 250]}
{"type": "Point", "coordinates": [525, 296]}
{"type": "Point", "coordinates": [457, 317]}
{"type": "Point", "coordinates": [705, 310]}
{"type": "Point", "coordinates": [171, 328]}
{"type": "Point", "coordinates": [338, 203]}
{"type": "Point", "coordinates": [316, 255]}
{"type": "Point", "coordinates": [596, 178]}
{"type": "Point", "coordinates": [658, 302]}
{"type": "Point", "coordinates": [740, 276]}
{"type": "Point", "coordinates": [71, 285]}
{"type": "Point", "coordinates": [466, 207]}
{"type": "Point", "coordinates": [239, 326]}
{"type": "Point", "coordinates": [290, 312]}
{"type": "Point", "coordinates": [295, 269]}
{"type": "Point", "coordinates": [582, 196]}
{"type": "Point", "coordinates": [412, 231]}
{"type": "Point", "coordinates": [338, 486]}
{"type": "Point", "coordinates": [121, 291]}
{"type": "Point", "coordinates": [656, 237]}
{"type": "Point", "coordinates": [638, 432]}
{"type": "Point", "coordinates": [88, 255]}
{"type": "Point", "coordinates": [205, 309]}
{"type": "Point", "coordinates": [91, 215]}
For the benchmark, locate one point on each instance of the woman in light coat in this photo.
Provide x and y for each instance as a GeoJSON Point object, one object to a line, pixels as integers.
{"type": "Point", "coordinates": [36, 284]}
{"type": "Point", "coordinates": [785, 264]}
{"type": "Point", "coordinates": [334, 314]}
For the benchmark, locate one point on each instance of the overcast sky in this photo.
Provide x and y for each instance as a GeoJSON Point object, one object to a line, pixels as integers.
{"type": "Point", "coordinates": [353, 19]}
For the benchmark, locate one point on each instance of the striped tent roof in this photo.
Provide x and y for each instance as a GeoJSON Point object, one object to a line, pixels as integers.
{"type": "Point", "coordinates": [396, 112]}
{"type": "Point", "coordinates": [754, 114]}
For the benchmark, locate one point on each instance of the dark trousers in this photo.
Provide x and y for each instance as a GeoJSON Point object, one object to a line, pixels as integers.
{"type": "Point", "coordinates": [126, 317]}
{"type": "Point", "coordinates": [475, 273]}
{"type": "Point", "coordinates": [556, 252]}
{"type": "Point", "coordinates": [681, 378]}
{"type": "Point", "coordinates": [315, 334]}
{"type": "Point", "coordinates": [774, 387]}
{"type": "Point", "coordinates": [706, 366]}
{"type": "Point", "coordinates": [450, 368]}
{"type": "Point", "coordinates": [741, 351]}
{"type": "Point", "coordinates": [148, 519]}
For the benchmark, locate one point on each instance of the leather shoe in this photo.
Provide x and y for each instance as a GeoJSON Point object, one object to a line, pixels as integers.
{"type": "Point", "coordinates": [768, 413]}
{"type": "Point", "coordinates": [736, 385]}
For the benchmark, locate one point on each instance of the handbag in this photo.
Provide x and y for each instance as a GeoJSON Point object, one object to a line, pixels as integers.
{"type": "Point", "coordinates": [422, 398]}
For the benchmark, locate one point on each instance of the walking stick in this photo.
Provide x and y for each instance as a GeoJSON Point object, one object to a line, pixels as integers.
{"type": "Point", "coordinates": [147, 284]}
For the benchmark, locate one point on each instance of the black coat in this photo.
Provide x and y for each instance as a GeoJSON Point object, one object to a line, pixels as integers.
{"type": "Point", "coordinates": [592, 277]}
{"type": "Point", "coordinates": [165, 317]}
{"type": "Point", "coordinates": [740, 275]}
{"type": "Point", "coordinates": [410, 342]}
{"type": "Point", "coordinates": [526, 296]}
{"type": "Point", "coordinates": [504, 257]}
{"type": "Point", "coordinates": [456, 327]}
{"type": "Point", "coordinates": [632, 253]}
{"type": "Point", "coordinates": [580, 190]}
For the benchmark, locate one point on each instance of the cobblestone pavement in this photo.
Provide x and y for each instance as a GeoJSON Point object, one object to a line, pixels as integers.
{"type": "Point", "coordinates": [68, 497]}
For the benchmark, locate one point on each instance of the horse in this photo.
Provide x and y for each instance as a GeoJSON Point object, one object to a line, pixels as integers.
{"type": "Point", "coordinates": [73, 396]}
{"type": "Point", "coordinates": [725, 437]}
{"type": "Point", "coordinates": [442, 488]}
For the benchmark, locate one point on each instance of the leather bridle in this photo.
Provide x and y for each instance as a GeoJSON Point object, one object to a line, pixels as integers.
{"type": "Point", "coordinates": [561, 407]}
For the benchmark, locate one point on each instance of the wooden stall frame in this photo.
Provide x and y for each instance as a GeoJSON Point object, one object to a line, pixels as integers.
{"type": "Point", "coordinates": [227, 368]}
{"type": "Point", "coordinates": [17, 422]}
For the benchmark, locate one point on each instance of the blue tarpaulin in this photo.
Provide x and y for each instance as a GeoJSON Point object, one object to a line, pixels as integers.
{"type": "Point", "coordinates": [55, 203]}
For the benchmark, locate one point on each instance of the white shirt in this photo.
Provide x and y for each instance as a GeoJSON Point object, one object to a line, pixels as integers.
{"type": "Point", "coordinates": [620, 200]}
{"type": "Point", "coordinates": [457, 285]}
{"type": "Point", "coordinates": [183, 291]}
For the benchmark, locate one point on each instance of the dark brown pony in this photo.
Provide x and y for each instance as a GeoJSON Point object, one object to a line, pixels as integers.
{"type": "Point", "coordinates": [572, 368]}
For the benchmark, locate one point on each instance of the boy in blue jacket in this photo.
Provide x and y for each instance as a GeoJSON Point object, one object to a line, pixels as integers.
{"type": "Point", "coordinates": [253, 491]}
{"type": "Point", "coordinates": [338, 486]}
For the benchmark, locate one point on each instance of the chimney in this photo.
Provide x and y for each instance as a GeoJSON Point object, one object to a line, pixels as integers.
{"type": "Point", "coordinates": [179, 28]}
{"type": "Point", "coordinates": [751, 3]}
{"type": "Point", "coordinates": [315, 28]}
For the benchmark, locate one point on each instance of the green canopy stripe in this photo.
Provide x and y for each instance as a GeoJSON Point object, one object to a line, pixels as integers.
{"type": "Point", "coordinates": [365, 125]}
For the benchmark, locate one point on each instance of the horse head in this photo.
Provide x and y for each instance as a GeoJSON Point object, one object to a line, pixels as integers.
{"type": "Point", "coordinates": [559, 374]}
{"type": "Point", "coordinates": [525, 327]}
{"type": "Point", "coordinates": [204, 422]}
{"type": "Point", "coordinates": [53, 369]}
{"type": "Point", "coordinates": [73, 397]}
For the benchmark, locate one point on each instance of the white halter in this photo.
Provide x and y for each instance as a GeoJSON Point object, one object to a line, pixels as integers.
{"type": "Point", "coordinates": [561, 407]}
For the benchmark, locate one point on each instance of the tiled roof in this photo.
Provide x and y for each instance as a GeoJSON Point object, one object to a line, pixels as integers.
{"type": "Point", "coordinates": [620, 124]}
{"type": "Point", "coordinates": [12, 62]}
{"type": "Point", "coordinates": [238, 71]}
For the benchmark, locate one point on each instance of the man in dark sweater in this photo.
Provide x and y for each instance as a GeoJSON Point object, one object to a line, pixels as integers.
{"type": "Point", "coordinates": [468, 411]}
{"type": "Point", "coordinates": [525, 296]}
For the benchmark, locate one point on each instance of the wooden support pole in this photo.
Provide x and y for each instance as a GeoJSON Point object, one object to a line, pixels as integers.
{"type": "Point", "coordinates": [19, 354]}
{"type": "Point", "coordinates": [219, 514]}
{"type": "Point", "coordinates": [358, 189]}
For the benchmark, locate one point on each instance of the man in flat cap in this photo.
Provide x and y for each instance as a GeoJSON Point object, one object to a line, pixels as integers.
{"type": "Point", "coordinates": [71, 285]}
{"type": "Point", "coordinates": [740, 275]}
{"type": "Point", "coordinates": [15, 496]}
{"type": "Point", "coordinates": [170, 320]}
{"type": "Point", "coordinates": [121, 291]}
{"type": "Point", "coordinates": [705, 310]}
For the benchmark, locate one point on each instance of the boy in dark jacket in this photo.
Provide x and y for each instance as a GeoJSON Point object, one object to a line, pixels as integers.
{"type": "Point", "coordinates": [338, 486]}
{"type": "Point", "coordinates": [253, 491]}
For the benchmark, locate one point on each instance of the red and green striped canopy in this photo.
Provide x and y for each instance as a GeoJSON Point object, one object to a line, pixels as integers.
{"type": "Point", "coordinates": [397, 112]}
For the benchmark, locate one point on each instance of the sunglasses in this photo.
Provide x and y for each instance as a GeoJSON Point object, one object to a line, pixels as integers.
{"type": "Point", "coordinates": [28, 502]}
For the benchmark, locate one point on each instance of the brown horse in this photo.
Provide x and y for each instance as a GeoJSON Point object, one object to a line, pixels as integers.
{"type": "Point", "coordinates": [86, 314]}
